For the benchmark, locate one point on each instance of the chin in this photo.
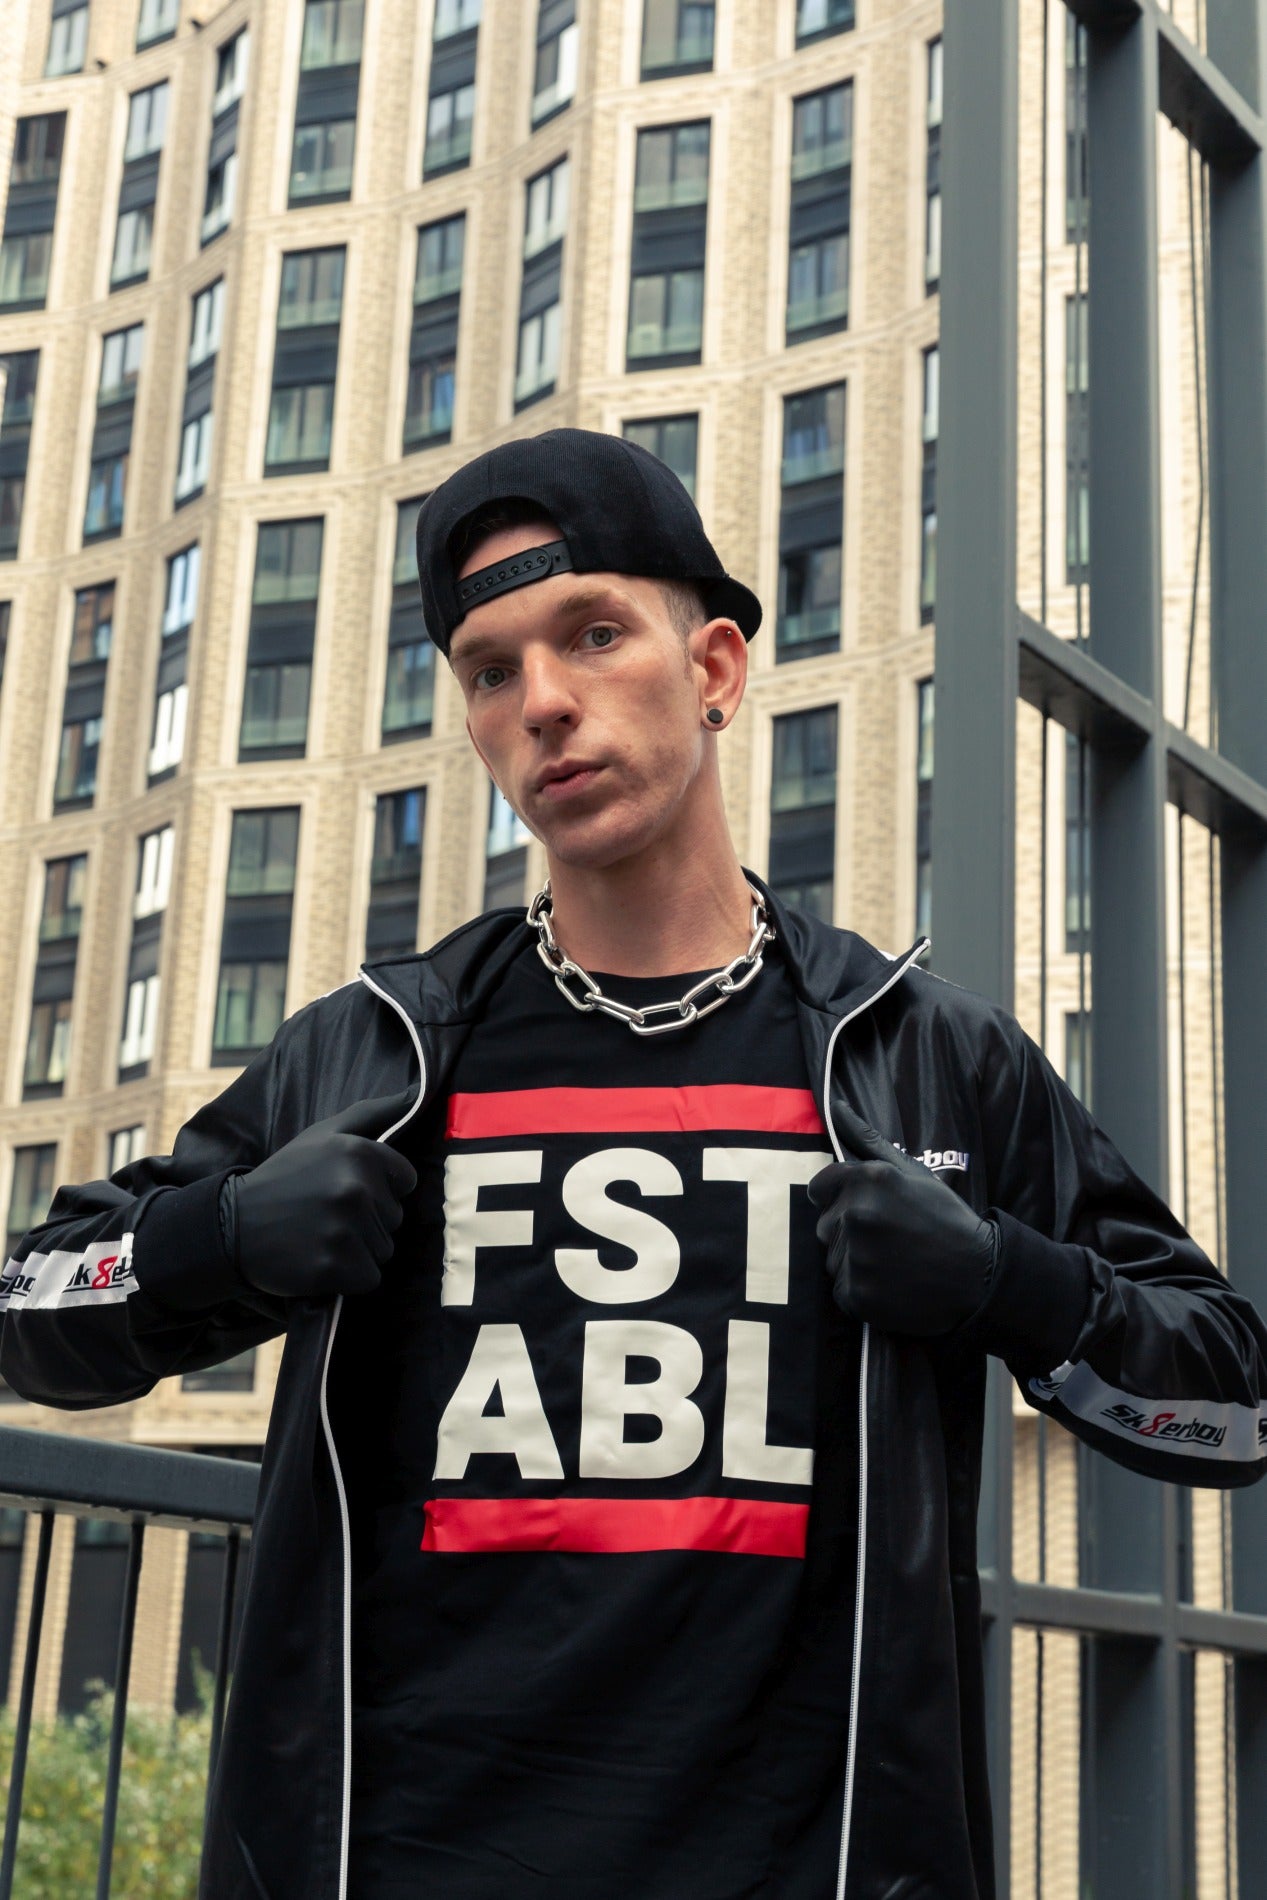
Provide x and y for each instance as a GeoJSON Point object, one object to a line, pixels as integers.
{"type": "Point", "coordinates": [592, 850]}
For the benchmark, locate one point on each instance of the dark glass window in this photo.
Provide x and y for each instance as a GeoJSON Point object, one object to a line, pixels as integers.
{"type": "Point", "coordinates": [395, 872]}
{"type": "Point", "coordinates": [677, 36]}
{"type": "Point", "coordinates": [674, 439]}
{"type": "Point", "coordinates": [924, 811]}
{"type": "Point", "coordinates": [815, 19]}
{"type": "Point", "coordinates": [1077, 442]}
{"type": "Point", "coordinates": [932, 172]}
{"type": "Point", "coordinates": [803, 810]}
{"type": "Point", "coordinates": [31, 1190]}
{"type": "Point", "coordinates": [255, 946]}
{"type": "Point", "coordinates": [928, 486]}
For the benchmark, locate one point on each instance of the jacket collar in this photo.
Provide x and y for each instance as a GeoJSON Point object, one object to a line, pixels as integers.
{"type": "Point", "coordinates": [835, 971]}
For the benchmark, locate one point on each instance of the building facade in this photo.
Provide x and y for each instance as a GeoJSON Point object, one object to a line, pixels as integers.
{"type": "Point", "coordinates": [268, 274]}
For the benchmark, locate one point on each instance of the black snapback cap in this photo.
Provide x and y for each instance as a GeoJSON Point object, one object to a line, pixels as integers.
{"type": "Point", "coordinates": [619, 509]}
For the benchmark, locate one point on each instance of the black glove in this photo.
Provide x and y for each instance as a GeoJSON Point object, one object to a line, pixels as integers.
{"type": "Point", "coordinates": [317, 1218]}
{"type": "Point", "coordinates": [903, 1250]}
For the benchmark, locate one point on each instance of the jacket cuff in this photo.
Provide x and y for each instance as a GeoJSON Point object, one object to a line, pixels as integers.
{"type": "Point", "coordinates": [1037, 1298]}
{"type": "Point", "coordinates": [178, 1250]}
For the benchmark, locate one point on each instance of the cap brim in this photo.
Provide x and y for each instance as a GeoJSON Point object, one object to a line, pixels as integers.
{"type": "Point", "coordinates": [736, 602]}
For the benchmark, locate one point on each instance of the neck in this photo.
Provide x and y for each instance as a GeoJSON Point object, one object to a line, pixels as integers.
{"type": "Point", "coordinates": [655, 914]}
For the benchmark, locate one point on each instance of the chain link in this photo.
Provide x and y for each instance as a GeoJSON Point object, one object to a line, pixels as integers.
{"type": "Point", "coordinates": [686, 1009]}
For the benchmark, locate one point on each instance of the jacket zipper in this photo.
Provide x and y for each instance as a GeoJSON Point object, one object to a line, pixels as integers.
{"type": "Point", "coordinates": [338, 1476]}
{"type": "Point", "coordinates": [899, 970]}
{"type": "Point", "coordinates": [846, 1823]}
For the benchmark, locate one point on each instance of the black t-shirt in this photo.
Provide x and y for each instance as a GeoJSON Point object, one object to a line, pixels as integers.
{"type": "Point", "coordinates": [604, 1507]}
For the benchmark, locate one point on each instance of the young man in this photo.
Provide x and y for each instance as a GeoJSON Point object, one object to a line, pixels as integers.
{"type": "Point", "coordinates": [616, 1535]}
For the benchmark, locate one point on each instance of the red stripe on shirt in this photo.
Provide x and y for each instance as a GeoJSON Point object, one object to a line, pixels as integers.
{"type": "Point", "coordinates": [751, 1526]}
{"type": "Point", "coordinates": [613, 1111]}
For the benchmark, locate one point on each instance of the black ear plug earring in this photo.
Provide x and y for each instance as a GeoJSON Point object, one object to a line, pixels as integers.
{"type": "Point", "coordinates": [716, 714]}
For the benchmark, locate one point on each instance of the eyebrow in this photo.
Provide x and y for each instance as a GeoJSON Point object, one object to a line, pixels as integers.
{"type": "Point", "coordinates": [579, 601]}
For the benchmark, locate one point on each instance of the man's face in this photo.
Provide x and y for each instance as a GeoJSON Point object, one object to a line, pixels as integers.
{"type": "Point", "coordinates": [584, 671]}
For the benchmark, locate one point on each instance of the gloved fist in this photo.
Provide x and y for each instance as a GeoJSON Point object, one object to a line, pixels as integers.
{"type": "Point", "coordinates": [903, 1251]}
{"type": "Point", "coordinates": [317, 1218]}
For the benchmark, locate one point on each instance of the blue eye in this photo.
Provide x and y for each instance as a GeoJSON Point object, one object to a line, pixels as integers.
{"type": "Point", "coordinates": [611, 631]}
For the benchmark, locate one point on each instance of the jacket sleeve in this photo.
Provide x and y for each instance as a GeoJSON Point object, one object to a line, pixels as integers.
{"type": "Point", "coordinates": [1110, 1317]}
{"type": "Point", "coordinates": [127, 1280]}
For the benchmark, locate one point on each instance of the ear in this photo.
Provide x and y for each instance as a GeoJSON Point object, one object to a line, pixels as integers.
{"type": "Point", "coordinates": [719, 648]}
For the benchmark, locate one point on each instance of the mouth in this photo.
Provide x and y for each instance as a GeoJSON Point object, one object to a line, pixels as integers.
{"type": "Point", "coordinates": [568, 784]}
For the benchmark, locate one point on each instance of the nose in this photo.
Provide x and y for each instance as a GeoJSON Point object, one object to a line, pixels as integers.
{"type": "Point", "coordinates": [547, 692]}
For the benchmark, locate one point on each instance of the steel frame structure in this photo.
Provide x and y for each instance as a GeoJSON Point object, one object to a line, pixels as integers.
{"type": "Point", "coordinates": [1109, 691]}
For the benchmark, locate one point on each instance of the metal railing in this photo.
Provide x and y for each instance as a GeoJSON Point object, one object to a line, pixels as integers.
{"type": "Point", "coordinates": [49, 1472]}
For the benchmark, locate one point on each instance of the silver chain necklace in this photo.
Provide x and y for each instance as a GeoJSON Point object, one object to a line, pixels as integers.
{"type": "Point", "coordinates": [686, 1009]}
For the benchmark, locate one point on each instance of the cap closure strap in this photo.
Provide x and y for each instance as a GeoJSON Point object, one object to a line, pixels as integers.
{"type": "Point", "coordinates": [531, 564]}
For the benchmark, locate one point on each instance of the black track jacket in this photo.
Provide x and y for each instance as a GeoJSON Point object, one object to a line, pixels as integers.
{"type": "Point", "coordinates": [126, 1283]}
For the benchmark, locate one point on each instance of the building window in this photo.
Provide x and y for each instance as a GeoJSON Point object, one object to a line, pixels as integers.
{"type": "Point", "coordinates": [123, 1146]}
{"type": "Point", "coordinates": [167, 746]}
{"type": "Point", "coordinates": [1077, 442]}
{"type": "Point", "coordinates": [255, 945]}
{"type": "Point", "coordinates": [819, 217]}
{"type": "Point", "coordinates": [157, 20]}
{"type": "Point", "coordinates": [810, 523]}
{"type": "Point", "coordinates": [133, 239]}
{"type": "Point", "coordinates": [86, 684]}
{"type": "Point", "coordinates": [217, 208]}
{"type": "Point", "coordinates": [182, 590]}
{"type": "Point", "coordinates": [147, 122]}
{"type": "Point", "coordinates": [222, 161]}
{"type": "Point", "coordinates": [321, 165]}
{"type": "Point", "coordinates": [410, 683]}
{"type": "Point", "coordinates": [31, 1190]}
{"type": "Point", "coordinates": [803, 810]}
{"type": "Point", "coordinates": [21, 373]}
{"type": "Point", "coordinates": [195, 456]}
{"type": "Point", "coordinates": [815, 19]}
{"type": "Point", "coordinates": [154, 872]}
{"type": "Point", "coordinates": [299, 425]}
{"type": "Point", "coordinates": [1077, 844]}
{"type": "Point", "coordinates": [305, 359]}
{"type": "Point", "coordinates": [1077, 183]}
{"type": "Point", "coordinates": [231, 1375]}
{"type": "Point", "coordinates": [456, 16]}
{"type": "Point", "coordinates": [395, 872]}
{"type": "Point", "coordinates": [171, 693]}
{"type": "Point", "coordinates": [279, 651]}
{"type": "Point", "coordinates": [140, 1017]}
{"type": "Point", "coordinates": [6, 608]}
{"type": "Point", "coordinates": [107, 481]}
{"type": "Point", "coordinates": [332, 34]}
{"type": "Point", "coordinates": [540, 310]}
{"type": "Point", "coordinates": [1078, 1054]}
{"type": "Point", "coordinates": [677, 37]}
{"type": "Point", "coordinates": [121, 354]}
{"type": "Point", "coordinates": [24, 263]}
{"type": "Point", "coordinates": [231, 63]}
{"type": "Point", "coordinates": [67, 40]}
{"type": "Point", "coordinates": [433, 335]}
{"type": "Point", "coordinates": [928, 486]}
{"type": "Point", "coordinates": [674, 439]}
{"type": "Point", "coordinates": [449, 119]}
{"type": "Point", "coordinates": [666, 287]}
{"type": "Point", "coordinates": [208, 316]}
{"type": "Point", "coordinates": [554, 74]}
{"type": "Point", "coordinates": [505, 853]}
{"type": "Point", "coordinates": [924, 812]}
{"type": "Point", "coordinates": [932, 211]}
{"type": "Point", "coordinates": [48, 1040]}
{"type": "Point", "coordinates": [31, 210]}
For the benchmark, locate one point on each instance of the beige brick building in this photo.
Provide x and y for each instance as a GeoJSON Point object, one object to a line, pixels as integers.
{"type": "Point", "coordinates": [292, 263]}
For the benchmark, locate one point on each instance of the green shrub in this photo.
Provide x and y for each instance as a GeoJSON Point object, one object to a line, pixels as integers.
{"type": "Point", "coordinates": [162, 1788]}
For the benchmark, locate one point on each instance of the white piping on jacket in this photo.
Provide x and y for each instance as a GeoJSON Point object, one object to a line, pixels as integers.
{"type": "Point", "coordinates": [338, 1478]}
{"type": "Point", "coordinates": [863, 1453]}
